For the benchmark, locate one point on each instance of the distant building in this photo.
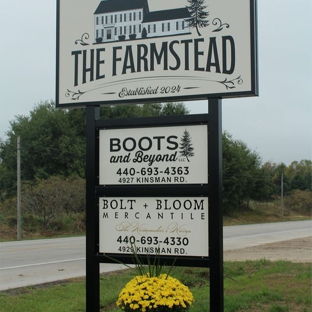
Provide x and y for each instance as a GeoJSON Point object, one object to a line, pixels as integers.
{"type": "Point", "coordinates": [126, 19]}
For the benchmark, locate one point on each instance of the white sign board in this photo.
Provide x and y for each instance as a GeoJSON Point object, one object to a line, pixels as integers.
{"type": "Point", "coordinates": [162, 155]}
{"type": "Point", "coordinates": [166, 226]}
{"type": "Point", "coordinates": [119, 51]}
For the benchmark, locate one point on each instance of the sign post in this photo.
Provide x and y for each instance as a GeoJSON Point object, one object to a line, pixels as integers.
{"type": "Point", "coordinates": [92, 265]}
{"type": "Point", "coordinates": [215, 203]}
{"type": "Point", "coordinates": [154, 181]}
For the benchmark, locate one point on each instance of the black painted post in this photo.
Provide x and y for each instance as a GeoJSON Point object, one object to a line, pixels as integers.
{"type": "Point", "coordinates": [92, 266]}
{"type": "Point", "coordinates": [215, 205]}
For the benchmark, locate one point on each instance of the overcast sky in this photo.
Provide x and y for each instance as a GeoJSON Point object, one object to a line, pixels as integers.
{"type": "Point", "coordinates": [277, 124]}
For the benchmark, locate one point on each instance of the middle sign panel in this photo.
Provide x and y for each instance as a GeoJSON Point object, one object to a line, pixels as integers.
{"type": "Point", "coordinates": [162, 155]}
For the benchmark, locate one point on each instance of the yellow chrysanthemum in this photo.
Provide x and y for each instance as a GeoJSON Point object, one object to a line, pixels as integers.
{"type": "Point", "coordinates": [144, 293]}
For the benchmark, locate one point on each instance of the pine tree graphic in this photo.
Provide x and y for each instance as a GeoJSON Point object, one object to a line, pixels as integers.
{"type": "Point", "coordinates": [198, 17]}
{"type": "Point", "coordinates": [186, 148]}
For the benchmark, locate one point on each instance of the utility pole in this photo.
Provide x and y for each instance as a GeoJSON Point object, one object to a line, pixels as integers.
{"type": "Point", "coordinates": [282, 196]}
{"type": "Point", "coordinates": [18, 188]}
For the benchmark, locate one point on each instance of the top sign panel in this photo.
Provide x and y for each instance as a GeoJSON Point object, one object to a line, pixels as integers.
{"type": "Point", "coordinates": [123, 51]}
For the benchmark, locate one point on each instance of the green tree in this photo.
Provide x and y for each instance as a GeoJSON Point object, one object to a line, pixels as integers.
{"type": "Point", "coordinates": [143, 110]}
{"type": "Point", "coordinates": [173, 109]}
{"type": "Point", "coordinates": [53, 140]}
{"type": "Point", "coordinates": [244, 179]}
{"type": "Point", "coordinates": [6, 179]}
{"type": "Point", "coordinates": [278, 174]}
{"type": "Point", "coordinates": [50, 145]}
{"type": "Point", "coordinates": [198, 14]}
{"type": "Point", "coordinates": [299, 175]}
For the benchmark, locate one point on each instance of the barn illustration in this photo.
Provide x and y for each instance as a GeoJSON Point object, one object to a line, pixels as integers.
{"type": "Point", "coordinates": [117, 20]}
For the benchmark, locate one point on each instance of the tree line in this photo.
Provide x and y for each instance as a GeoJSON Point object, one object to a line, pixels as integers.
{"type": "Point", "coordinates": [53, 161]}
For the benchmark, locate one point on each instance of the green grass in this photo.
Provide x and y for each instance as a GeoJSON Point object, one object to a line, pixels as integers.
{"type": "Point", "coordinates": [248, 286]}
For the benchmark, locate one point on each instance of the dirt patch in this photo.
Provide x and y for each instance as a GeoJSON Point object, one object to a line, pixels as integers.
{"type": "Point", "coordinates": [295, 250]}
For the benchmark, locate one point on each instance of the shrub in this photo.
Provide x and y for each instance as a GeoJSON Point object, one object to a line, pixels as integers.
{"type": "Point", "coordinates": [299, 201]}
{"type": "Point", "coordinates": [53, 200]}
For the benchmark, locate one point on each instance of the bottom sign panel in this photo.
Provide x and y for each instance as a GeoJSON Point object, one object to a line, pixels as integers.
{"type": "Point", "coordinates": [173, 226]}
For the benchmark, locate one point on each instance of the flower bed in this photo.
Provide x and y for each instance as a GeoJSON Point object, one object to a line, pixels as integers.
{"type": "Point", "coordinates": [155, 294]}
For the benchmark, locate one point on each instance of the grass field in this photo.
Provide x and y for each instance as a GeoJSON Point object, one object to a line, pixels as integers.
{"type": "Point", "coordinates": [249, 286]}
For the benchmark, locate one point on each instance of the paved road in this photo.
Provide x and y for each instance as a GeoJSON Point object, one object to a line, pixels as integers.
{"type": "Point", "coordinates": [46, 260]}
{"type": "Point", "coordinates": [39, 261]}
{"type": "Point", "coordinates": [242, 236]}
